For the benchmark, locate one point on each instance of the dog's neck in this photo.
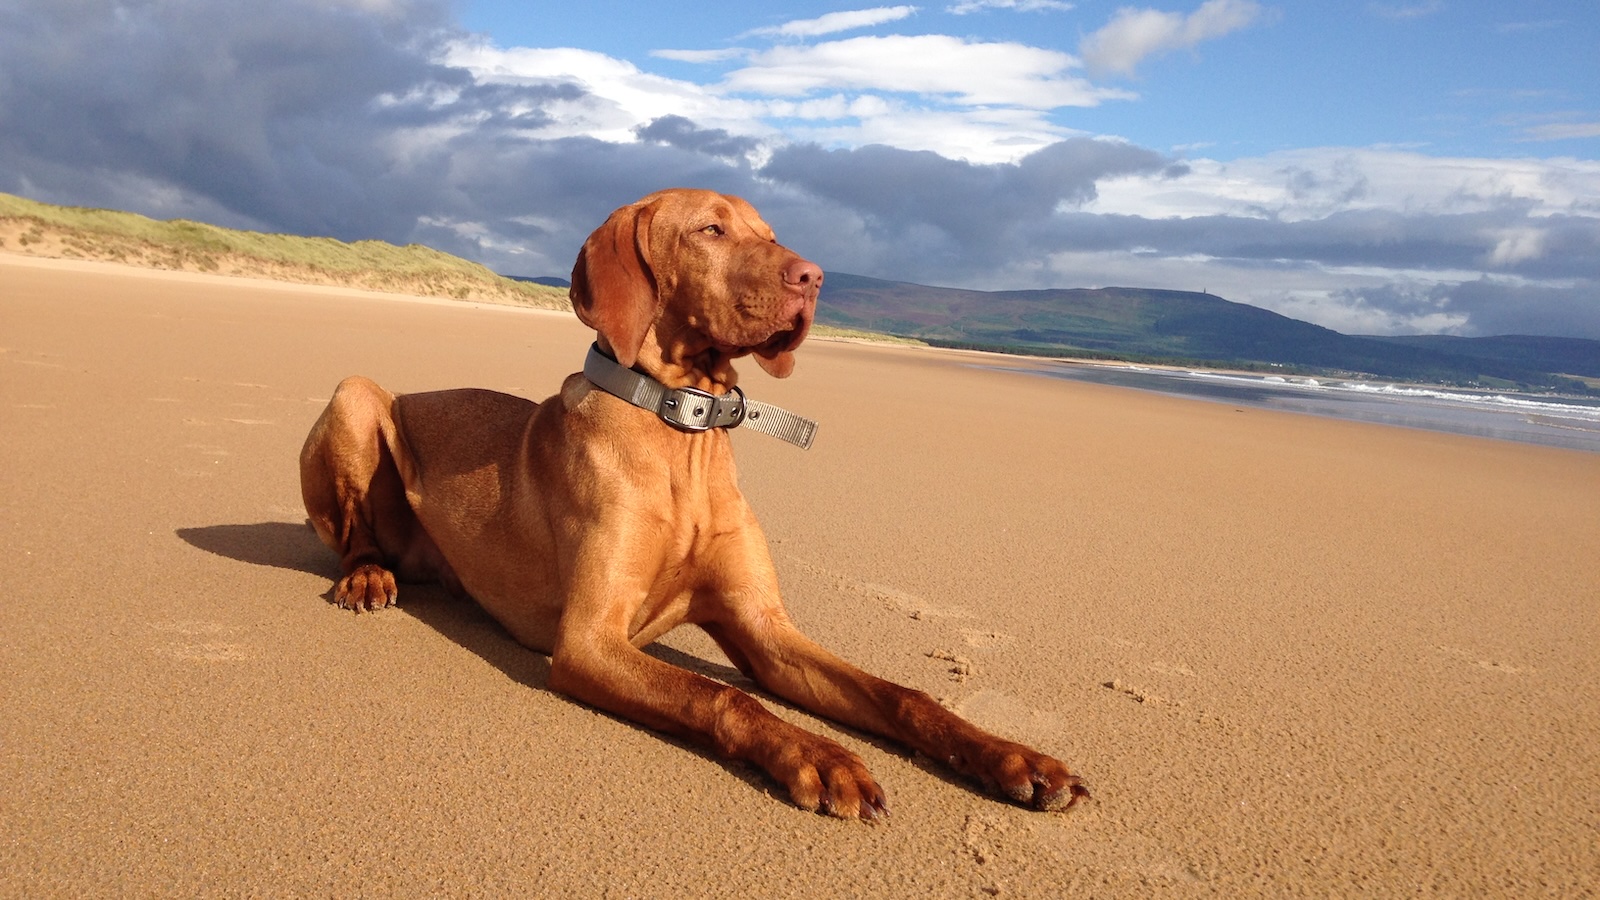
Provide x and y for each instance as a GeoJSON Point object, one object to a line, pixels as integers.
{"type": "Point", "coordinates": [702, 368]}
{"type": "Point", "coordinates": [692, 409]}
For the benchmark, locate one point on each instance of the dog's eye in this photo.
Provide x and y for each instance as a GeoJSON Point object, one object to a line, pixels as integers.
{"type": "Point", "coordinates": [713, 230]}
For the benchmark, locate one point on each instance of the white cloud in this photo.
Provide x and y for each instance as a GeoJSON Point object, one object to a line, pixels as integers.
{"type": "Point", "coordinates": [978, 102]}
{"type": "Point", "coordinates": [968, 73]}
{"type": "Point", "coordinates": [1407, 10]}
{"type": "Point", "coordinates": [700, 56]}
{"type": "Point", "coordinates": [983, 103]}
{"type": "Point", "coordinates": [986, 135]}
{"type": "Point", "coordinates": [1299, 185]}
{"type": "Point", "coordinates": [618, 95]}
{"type": "Point", "coordinates": [1561, 131]}
{"type": "Point", "coordinates": [972, 6]}
{"type": "Point", "coordinates": [1526, 27]}
{"type": "Point", "coordinates": [834, 22]}
{"type": "Point", "coordinates": [1517, 245]}
{"type": "Point", "coordinates": [1134, 35]}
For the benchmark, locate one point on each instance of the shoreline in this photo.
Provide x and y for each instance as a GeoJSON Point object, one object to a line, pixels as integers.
{"type": "Point", "coordinates": [1521, 418]}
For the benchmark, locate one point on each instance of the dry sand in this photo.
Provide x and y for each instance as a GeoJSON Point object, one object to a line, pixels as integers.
{"type": "Point", "coordinates": [1291, 655]}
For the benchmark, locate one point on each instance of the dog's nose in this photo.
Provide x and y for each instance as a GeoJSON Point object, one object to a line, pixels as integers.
{"type": "Point", "coordinates": [802, 274]}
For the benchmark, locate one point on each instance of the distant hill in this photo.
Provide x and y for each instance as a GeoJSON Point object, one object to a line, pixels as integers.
{"type": "Point", "coordinates": [1573, 356]}
{"type": "Point", "coordinates": [546, 280]}
{"type": "Point", "coordinates": [1190, 328]}
{"type": "Point", "coordinates": [66, 232]}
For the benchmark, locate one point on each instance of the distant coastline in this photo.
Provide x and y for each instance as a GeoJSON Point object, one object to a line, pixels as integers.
{"type": "Point", "coordinates": [1569, 423]}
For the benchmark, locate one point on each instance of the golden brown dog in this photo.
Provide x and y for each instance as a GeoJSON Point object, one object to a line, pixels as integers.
{"type": "Point", "coordinates": [589, 527]}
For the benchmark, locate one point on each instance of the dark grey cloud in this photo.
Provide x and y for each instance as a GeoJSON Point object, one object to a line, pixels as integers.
{"type": "Point", "coordinates": [978, 212]}
{"type": "Point", "coordinates": [263, 109]}
{"type": "Point", "coordinates": [1568, 246]}
{"type": "Point", "coordinates": [680, 132]}
{"type": "Point", "coordinates": [1492, 306]}
{"type": "Point", "coordinates": [1496, 307]}
{"type": "Point", "coordinates": [329, 118]}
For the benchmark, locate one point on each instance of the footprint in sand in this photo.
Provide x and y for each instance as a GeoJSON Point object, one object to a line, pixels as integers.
{"type": "Point", "coordinates": [986, 640]}
{"type": "Point", "coordinates": [978, 836]}
{"type": "Point", "coordinates": [960, 668]}
{"type": "Point", "coordinates": [197, 641]}
{"type": "Point", "coordinates": [900, 601]}
{"type": "Point", "coordinates": [1138, 694]}
{"type": "Point", "coordinates": [1181, 709]}
{"type": "Point", "coordinates": [1001, 712]}
{"type": "Point", "coordinates": [1487, 664]}
{"type": "Point", "coordinates": [908, 603]}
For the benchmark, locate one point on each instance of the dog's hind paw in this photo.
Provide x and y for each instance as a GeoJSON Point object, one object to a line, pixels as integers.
{"type": "Point", "coordinates": [369, 587]}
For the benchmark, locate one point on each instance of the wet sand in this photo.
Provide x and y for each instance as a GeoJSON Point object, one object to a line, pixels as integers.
{"type": "Point", "coordinates": [1291, 655]}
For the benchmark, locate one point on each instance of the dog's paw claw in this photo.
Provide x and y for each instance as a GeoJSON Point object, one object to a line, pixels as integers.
{"type": "Point", "coordinates": [369, 587]}
{"type": "Point", "coordinates": [835, 782]}
{"type": "Point", "coordinates": [1059, 797]}
{"type": "Point", "coordinates": [1029, 778]}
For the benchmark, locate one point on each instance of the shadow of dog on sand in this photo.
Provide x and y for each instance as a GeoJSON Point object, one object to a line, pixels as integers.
{"type": "Point", "coordinates": [296, 547]}
{"type": "Point", "coordinates": [286, 545]}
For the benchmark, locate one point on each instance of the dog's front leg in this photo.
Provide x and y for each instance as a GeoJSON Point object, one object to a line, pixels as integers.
{"type": "Point", "coordinates": [593, 661]}
{"type": "Point", "coordinates": [765, 644]}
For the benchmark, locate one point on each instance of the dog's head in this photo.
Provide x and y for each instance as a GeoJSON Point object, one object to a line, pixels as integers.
{"type": "Point", "coordinates": [688, 277]}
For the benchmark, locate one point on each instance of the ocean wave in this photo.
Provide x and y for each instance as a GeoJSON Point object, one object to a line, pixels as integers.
{"type": "Point", "coordinates": [1481, 401]}
{"type": "Point", "coordinates": [1488, 402]}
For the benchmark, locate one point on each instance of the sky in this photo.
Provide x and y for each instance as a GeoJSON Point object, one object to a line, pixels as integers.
{"type": "Point", "coordinates": [1395, 167]}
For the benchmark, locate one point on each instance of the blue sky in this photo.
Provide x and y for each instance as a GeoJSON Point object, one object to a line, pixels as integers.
{"type": "Point", "coordinates": [1459, 78]}
{"type": "Point", "coordinates": [1376, 167]}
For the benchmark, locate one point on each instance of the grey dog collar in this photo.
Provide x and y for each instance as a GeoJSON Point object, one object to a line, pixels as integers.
{"type": "Point", "coordinates": [691, 409]}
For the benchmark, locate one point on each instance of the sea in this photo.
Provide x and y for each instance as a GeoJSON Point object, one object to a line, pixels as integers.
{"type": "Point", "coordinates": [1549, 421]}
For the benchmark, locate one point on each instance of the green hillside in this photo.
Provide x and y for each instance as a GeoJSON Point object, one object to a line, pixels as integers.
{"type": "Point", "coordinates": [65, 232]}
{"type": "Point", "coordinates": [1574, 356]}
{"type": "Point", "coordinates": [1188, 328]}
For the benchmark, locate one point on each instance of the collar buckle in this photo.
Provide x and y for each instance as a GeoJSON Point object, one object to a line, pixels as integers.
{"type": "Point", "coordinates": [692, 409]}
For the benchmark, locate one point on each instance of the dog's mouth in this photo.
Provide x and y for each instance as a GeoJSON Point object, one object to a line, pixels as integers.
{"type": "Point", "coordinates": [780, 341]}
{"type": "Point", "coordinates": [785, 340]}
{"type": "Point", "coordinates": [775, 335]}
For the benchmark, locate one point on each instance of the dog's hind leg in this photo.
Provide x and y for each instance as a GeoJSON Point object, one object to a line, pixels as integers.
{"type": "Point", "coordinates": [354, 495]}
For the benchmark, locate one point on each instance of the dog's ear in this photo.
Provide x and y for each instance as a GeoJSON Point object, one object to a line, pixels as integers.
{"type": "Point", "coordinates": [613, 289]}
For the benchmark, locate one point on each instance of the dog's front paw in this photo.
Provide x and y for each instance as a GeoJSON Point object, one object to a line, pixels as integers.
{"type": "Point", "coordinates": [368, 587]}
{"type": "Point", "coordinates": [825, 777]}
{"type": "Point", "coordinates": [1024, 775]}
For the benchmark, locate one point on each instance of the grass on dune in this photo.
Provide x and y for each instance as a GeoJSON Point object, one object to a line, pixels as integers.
{"type": "Point", "coordinates": [42, 229]}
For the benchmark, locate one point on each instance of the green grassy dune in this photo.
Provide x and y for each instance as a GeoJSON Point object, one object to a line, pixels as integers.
{"type": "Point", "coordinates": [67, 232]}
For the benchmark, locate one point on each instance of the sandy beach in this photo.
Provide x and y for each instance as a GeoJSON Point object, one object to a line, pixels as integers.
{"type": "Point", "coordinates": [1291, 656]}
